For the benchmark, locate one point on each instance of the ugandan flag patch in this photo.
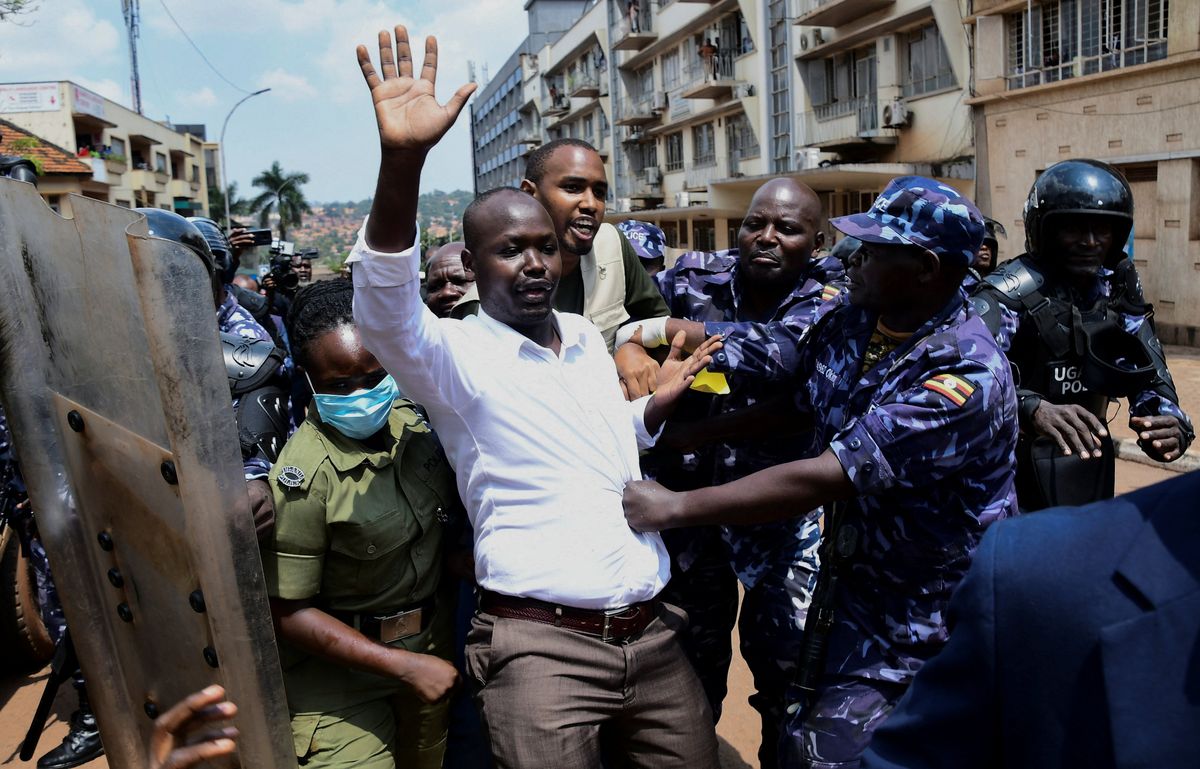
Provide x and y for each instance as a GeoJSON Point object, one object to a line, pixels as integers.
{"type": "Point", "coordinates": [829, 292]}
{"type": "Point", "coordinates": [954, 388]}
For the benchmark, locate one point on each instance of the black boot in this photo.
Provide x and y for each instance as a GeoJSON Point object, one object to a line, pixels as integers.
{"type": "Point", "coordinates": [82, 743]}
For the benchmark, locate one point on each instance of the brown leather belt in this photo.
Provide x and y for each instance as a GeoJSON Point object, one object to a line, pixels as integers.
{"type": "Point", "coordinates": [608, 625]}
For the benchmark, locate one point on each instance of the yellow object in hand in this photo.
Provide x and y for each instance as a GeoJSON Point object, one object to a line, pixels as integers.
{"type": "Point", "coordinates": [713, 383]}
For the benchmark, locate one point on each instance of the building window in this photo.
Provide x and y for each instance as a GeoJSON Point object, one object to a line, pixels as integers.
{"type": "Point", "coordinates": [704, 236]}
{"type": "Point", "coordinates": [118, 148]}
{"type": "Point", "coordinates": [1061, 39]}
{"type": "Point", "coordinates": [841, 84]}
{"type": "Point", "coordinates": [644, 82]}
{"type": "Point", "coordinates": [589, 130]}
{"type": "Point", "coordinates": [927, 65]}
{"type": "Point", "coordinates": [739, 138]}
{"type": "Point", "coordinates": [704, 148]}
{"type": "Point", "coordinates": [670, 69]}
{"type": "Point", "coordinates": [160, 163]}
{"type": "Point", "coordinates": [674, 150]}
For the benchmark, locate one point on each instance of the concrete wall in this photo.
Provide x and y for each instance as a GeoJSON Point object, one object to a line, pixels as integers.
{"type": "Point", "coordinates": [1145, 116]}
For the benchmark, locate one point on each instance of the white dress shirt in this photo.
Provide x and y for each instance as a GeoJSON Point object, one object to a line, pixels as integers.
{"type": "Point", "coordinates": [543, 444]}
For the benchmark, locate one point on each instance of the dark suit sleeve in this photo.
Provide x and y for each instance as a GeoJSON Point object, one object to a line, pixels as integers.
{"type": "Point", "coordinates": [948, 719]}
{"type": "Point", "coordinates": [642, 297]}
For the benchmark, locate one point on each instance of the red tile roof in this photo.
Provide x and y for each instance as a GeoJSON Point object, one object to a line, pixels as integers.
{"type": "Point", "coordinates": [54, 159]}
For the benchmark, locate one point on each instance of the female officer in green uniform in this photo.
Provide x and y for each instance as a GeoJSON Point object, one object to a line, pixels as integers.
{"type": "Point", "coordinates": [354, 564]}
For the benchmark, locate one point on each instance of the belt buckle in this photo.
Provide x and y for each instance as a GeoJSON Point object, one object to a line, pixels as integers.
{"type": "Point", "coordinates": [608, 615]}
{"type": "Point", "coordinates": [400, 625]}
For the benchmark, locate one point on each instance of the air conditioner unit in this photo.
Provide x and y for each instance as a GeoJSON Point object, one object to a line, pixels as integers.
{"type": "Point", "coordinates": [811, 38]}
{"type": "Point", "coordinates": [895, 114]}
{"type": "Point", "coordinates": [743, 90]}
{"type": "Point", "coordinates": [660, 102]}
{"type": "Point", "coordinates": [653, 175]}
{"type": "Point", "coordinates": [682, 199]}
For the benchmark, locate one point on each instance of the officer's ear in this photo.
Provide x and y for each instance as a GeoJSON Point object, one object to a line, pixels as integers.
{"type": "Point", "coordinates": [818, 242]}
{"type": "Point", "coordinates": [929, 268]}
{"type": "Point", "coordinates": [527, 185]}
{"type": "Point", "coordinates": [468, 263]}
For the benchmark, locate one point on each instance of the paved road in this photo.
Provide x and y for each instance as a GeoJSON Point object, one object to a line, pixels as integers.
{"type": "Point", "coordinates": [739, 725]}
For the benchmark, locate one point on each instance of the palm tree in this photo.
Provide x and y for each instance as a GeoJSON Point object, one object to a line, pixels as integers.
{"type": "Point", "coordinates": [281, 194]}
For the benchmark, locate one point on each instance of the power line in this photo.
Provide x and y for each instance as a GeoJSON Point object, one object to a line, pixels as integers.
{"type": "Point", "coordinates": [195, 47]}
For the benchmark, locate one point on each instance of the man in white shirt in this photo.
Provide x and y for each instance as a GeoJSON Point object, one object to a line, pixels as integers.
{"type": "Point", "coordinates": [569, 636]}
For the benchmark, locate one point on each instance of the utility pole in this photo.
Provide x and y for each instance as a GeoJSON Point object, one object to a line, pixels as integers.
{"type": "Point", "coordinates": [129, 8]}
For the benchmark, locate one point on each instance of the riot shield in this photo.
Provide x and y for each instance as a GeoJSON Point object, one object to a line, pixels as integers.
{"type": "Point", "coordinates": [112, 377]}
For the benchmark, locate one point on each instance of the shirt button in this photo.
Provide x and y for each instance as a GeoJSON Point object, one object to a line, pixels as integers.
{"type": "Point", "coordinates": [371, 549]}
{"type": "Point", "coordinates": [442, 516]}
{"type": "Point", "coordinates": [855, 444]}
{"type": "Point", "coordinates": [720, 357]}
{"type": "Point", "coordinates": [868, 468]}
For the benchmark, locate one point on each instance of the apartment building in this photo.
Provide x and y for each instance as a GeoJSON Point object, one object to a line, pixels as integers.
{"type": "Point", "coordinates": [135, 161]}
{"type": "Point", "coordinates": [694, 103]}
{"type": "Point", "coordinates": [1115, 80]}
{"type": "Point", "coordinates": [507, 112]}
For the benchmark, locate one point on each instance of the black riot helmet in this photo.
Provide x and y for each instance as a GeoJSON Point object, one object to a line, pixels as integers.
{"type": "Point", "coordinates": [218, 244]}
{"type": "Point", "coordinates": [1086, 187]}
{"type": "Point", "coordinates": [171, 226]}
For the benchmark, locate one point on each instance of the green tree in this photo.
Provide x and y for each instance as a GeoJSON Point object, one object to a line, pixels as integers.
{"type": "Point", "coordinates": [216, 204]}
{"type": "Point", "coordinates": [281, 194]}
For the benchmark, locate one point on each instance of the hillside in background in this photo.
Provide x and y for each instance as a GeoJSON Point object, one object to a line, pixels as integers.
{"type": "Point", "coordinates": [332, 227]}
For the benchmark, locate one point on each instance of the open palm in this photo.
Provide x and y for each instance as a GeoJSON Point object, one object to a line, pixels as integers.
{"type": "Point", "coordinates": [409, 116]}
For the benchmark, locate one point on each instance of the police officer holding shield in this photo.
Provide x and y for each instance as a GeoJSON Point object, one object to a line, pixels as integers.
{"type": "Point", "coordinates": [1072, 318]}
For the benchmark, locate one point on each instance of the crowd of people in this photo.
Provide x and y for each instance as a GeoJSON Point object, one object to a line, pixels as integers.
{"type": "Point", "coordinates": [504, 512]}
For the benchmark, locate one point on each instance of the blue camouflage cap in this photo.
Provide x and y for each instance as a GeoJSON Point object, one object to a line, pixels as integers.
{"type": "Point", "coordinates": [920, 212]}
{"type": "Point", "coordinates": [647, 240]}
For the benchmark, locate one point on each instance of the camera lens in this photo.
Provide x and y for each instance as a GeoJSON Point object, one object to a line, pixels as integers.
{"type": "Point", "coordinates": [289, 280]}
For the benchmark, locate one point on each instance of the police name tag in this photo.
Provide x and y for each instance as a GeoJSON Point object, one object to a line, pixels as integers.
{"type": "Point", "coordinates": [1065, 379]}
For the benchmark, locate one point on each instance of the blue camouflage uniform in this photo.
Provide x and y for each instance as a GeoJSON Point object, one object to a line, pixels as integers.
{"type": "Point", "coordinates": [927, 436]}
{"type": "Point", "coordinates": [232, 318]}
{"type": "Point", "coordinates": [776, 563]}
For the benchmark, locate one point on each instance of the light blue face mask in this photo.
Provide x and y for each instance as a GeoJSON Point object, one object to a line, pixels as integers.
{"type": "Point", "coordinates": [360, 414]}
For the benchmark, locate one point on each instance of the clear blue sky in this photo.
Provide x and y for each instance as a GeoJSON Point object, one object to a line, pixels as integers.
{"type": "Point", "coordinates": [317, 117]}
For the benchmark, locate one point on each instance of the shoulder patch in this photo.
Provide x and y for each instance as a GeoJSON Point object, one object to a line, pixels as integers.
{"type": "Point", "coordinates": [291, 476]}
{"type": "Point", "coordinates": [829, 292]}
{"type": "Point", "coordinates": [954, 388]}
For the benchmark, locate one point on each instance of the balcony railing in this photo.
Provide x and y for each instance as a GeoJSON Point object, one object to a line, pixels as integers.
{"type": "Point", "coordinates": [555, 103]}
{"type": "Point", "coordinates": [851, 121]}
{"type": "Point", "coordinates": [637, 110]}
{"type": "Point", "coordinates": [709, 78]}
{"type": "Point", "coordinates": [583, 86]}
{"type": "Point", "coordinates": [633, 30]}
{"type": "Point", "coordinates": [698, 177]}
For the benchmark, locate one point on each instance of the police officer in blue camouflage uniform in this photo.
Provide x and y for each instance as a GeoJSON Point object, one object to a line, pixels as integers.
{"type": "Point", "coordinates": [1071, 316]}
{"type": "Point", "coordinates": [914, 416]}
{"type": "Point", "coordinates": [772, 277]}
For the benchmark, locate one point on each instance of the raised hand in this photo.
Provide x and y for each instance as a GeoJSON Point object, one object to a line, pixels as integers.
{"type": "Point", "coordinates": [406, 109]}
{"type": "Point", "coordinates": [677, 372]}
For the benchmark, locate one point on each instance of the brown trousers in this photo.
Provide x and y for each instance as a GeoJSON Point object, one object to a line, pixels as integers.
{"type": "Point", "coordinates": [545, 692]}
